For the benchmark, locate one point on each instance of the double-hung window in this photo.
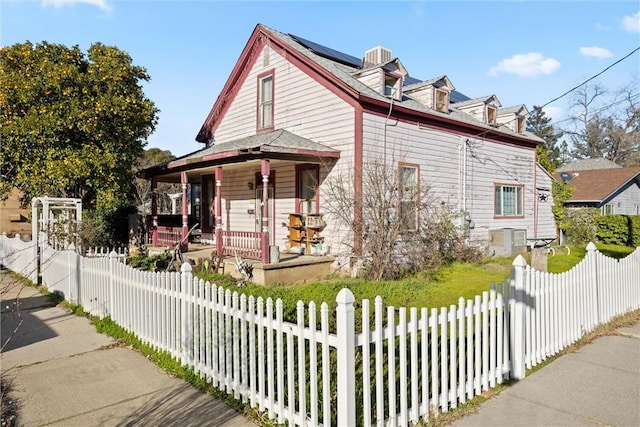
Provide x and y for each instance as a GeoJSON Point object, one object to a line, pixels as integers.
{"type": "Point", "coordinates": [409, 195]}
{"type": "Point", "coordinates": [307, 178]}
{"type": "Point", "coordinates": [265, 100]}
{"type": "Point", "coordinates": [508, 200]}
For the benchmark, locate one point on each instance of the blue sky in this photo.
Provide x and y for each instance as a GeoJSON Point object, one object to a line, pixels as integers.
{"type": "Point", "coordinates": [522, 51]}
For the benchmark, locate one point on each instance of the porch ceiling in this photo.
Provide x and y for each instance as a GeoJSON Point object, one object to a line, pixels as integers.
{"type": "Point", "coordinates": [277, 145]}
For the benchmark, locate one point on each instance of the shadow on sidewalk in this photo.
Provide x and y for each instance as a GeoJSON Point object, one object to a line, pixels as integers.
{"type": "Point", "coordinates": [19, 326]}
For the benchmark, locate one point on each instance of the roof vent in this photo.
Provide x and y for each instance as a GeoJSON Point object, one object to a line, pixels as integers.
{"type": "Point", "coordinates": [377, 55]}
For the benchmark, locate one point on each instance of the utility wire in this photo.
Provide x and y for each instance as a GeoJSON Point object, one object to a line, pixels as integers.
{"type": "Point", "coordinates": [591, 78]}
{"type": "Point", "coordinates": [631, 98]}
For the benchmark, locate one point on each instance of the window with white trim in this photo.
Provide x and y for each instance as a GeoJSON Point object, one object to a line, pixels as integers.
{"type": "Point", "coordinates": [265, 102]}
{"type": "Point", "coordinates": [409, 195]}
{"type": "Point", "coordinates": [392, 86]}
{"type": "Point", "coordinates": [607, 209]}
{"type": "Point", "coordinates": [508, 200]}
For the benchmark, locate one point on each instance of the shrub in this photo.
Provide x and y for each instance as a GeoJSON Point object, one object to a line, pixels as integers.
{"type": "Point", "coordinates": [613, 229]}
{"type": "Point", "coordinates": [634, 232]}
{"type": "Point", "coordinates": [582, 227]}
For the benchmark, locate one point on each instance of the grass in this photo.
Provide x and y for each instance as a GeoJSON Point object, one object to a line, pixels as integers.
{"type": "Point", "coordinates": [561, 261]}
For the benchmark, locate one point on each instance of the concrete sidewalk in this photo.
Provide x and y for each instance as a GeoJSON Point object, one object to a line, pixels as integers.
{"type": "Point", "coordinates": [597, 385]}
{"type": "Point", "coordinates": [64, 373]}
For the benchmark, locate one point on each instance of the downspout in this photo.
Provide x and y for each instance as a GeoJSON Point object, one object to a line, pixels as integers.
{"type": "Point", "coordinates": [384, 135]}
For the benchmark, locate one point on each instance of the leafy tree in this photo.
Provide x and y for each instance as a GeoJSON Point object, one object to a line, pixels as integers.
{"type": "Point", "coordinates": [561, 193]}
{"type": "Point", "coordinates": [73, 125]}
{"type": "Point", "coordinates": [549, 154]}
{"type": "Point", "coordinates": [151, 157]}
{"type": "Point", "coordinates": [606, 127]}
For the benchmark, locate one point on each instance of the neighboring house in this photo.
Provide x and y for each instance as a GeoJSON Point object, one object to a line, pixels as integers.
{"type": "Point", "coordinates": [293, 114]}
{"type": "Point", "coordinates": [614, 190]}
{"type": "Point", "coordinates": [13, 218]}
{"type": "Point", "coordinates": [588, 164]}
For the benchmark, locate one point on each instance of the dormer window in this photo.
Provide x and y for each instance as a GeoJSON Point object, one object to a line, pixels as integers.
{"type": "Point", "coordinates": [442, 100]}
{"type": "Point", "coordinates": [520, 124]}
{"type": "Point", "coordinates": [491, 115]}
{"type": "Point", "coordinates": [392, 85]}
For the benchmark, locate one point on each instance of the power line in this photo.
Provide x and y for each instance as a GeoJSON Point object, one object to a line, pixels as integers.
{"type": "Point", "coordinates": [591, 78]}
{"type": "Point", "coordinates": [605, 107]}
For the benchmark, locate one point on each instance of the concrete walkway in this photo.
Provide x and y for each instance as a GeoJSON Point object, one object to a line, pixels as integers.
{"type": "Point", "coordinates": [64, 373]}
{"type": "Point", "coordinates": [597, 385]}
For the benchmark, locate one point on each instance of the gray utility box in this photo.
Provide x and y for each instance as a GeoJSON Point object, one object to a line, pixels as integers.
{"type": "Point", "coordinates": [507, 241]}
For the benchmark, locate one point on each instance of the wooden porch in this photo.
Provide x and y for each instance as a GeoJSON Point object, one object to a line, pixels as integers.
{"type": "Point", "coordinates": [291, 267]}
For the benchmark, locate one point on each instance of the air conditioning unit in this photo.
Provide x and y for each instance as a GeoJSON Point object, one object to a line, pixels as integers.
{"type": "Point", "coordinates": [507, 241]}
{"type": "Point", "coordinates": [377, 55]}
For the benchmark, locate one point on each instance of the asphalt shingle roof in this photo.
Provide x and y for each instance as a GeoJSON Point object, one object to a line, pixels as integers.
{"type": "Point", "coordinates": [596, 185]}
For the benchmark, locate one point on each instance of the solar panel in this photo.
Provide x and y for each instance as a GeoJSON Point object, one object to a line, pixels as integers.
{"type": "Point", "coordinates": [456, 96]}
{"type": "Point", "coordinates": [329, 53]}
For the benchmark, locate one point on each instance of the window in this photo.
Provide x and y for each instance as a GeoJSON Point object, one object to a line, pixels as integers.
{"type": "Point", "coordinates": [520, 125]}
{"type": "Point", "coordinates": [409, 195]}
{"type": "Point", "coordinates": [392, 86]}
{"type": "Point", "coordinates": [442, 101]}
{"type": "Point", "coordinates": [508, 200]}
{"type": "Point", "coordinates": [307, 178]}
{"type": "Point", "coordinates": [491, 115]}
{"type": "Point", "coordinates": [265, 100]}
{"type": "Point", "coordinates": [607, 209]}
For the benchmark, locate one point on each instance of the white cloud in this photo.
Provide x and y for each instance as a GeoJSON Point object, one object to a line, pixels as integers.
{"type": "Point", "coordinates": [595, 52]}
{"type": "Point", "coordinates": [555, 113]}
{"type": "Point", "coordinates": [602, 27]}
{"type": "Point", "coordinates": [631, 23]}
{"type": "Point", "coordinates": [530, 64]}
{"type": "Point", "coordinates": [102, 4]}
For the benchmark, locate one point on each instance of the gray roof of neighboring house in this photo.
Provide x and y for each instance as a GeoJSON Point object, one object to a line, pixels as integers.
{"type": "Point", "coordinates": [321, 55]}
{"type": "Point", "coordinates": [588, 164]}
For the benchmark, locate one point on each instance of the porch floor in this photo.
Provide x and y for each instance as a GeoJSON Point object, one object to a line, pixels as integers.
{"type": "Point", "coordinates": [292, 268]}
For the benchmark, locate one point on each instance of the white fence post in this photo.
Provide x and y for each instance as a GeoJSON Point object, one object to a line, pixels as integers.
{"type": "Point", "coordinates": [112, 261]}
{"type": "Point", "coordinates": [593, 261]}
{"type": "Point", "coordinates": [345, 318]}
{"type": "Point", "coordinates": [518, 300]}
{"type": "Point", "coordinates": [186, 292]}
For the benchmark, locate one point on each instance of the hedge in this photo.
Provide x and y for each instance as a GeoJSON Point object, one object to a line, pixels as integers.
{"type": "Point", "coordinates": [621, 230]}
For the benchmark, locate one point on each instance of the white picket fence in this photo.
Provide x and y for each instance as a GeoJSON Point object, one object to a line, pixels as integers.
{"type": "Point", "coordinates": [388, 367]}
{"type": "Point", "coordinates": [18, 255]}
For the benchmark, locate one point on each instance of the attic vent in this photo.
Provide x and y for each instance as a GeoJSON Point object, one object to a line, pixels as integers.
{"type": "Point", "coordinates": [377, 55]}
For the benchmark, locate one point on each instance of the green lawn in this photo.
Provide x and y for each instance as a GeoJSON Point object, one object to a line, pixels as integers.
{"type": "Point", "coordinates": [441, 288]}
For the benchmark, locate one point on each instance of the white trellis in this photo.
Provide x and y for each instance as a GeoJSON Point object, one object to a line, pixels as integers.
{"type": "Point", "coordinates": [56, 221]}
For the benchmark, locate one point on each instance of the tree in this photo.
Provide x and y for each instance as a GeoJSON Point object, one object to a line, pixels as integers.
{"type": "Point", "coordinates": [606, 127]}
{"type": "Point", "coordinates": [402, 229]}
{"type": "Point", "coordinates": [73, 125]}
{"type": "Point", "coordinates": [150, 157]}
{"type": "Point", "coordinates": [549, 154]}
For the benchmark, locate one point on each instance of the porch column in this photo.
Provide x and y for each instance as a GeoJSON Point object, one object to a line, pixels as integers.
{"type": "Point", "coordinates": [154, 212]}
{"type": "Point", "coordinates": [218, 210]}
{"type": "Point", "coordinates": [264, 238]}
{"type": "Point", "coordinates": [185, 216]}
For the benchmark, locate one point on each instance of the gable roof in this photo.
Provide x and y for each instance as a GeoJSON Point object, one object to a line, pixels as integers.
{"type": "Point", "coordinates": [587, 164]}
{"type": "Point", "coordinates": [337, 69]}
{"type": "Point", "coordinates": [277, 144]}
{"type": "Point", "coordinates": [515, 109]}
{"type": "Point", "coordinates": [480, 100]}
{"type": "Point", "coordinates": [597, 185]}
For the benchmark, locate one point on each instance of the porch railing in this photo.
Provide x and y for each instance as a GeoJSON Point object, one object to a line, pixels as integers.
{"type": "Point", "coordinates": [244, 243]}
{"type": "Point", "coordinates": [169, 236]}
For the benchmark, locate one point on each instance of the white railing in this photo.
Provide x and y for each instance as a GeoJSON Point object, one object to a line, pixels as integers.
{"type": "Point", "coordinates": [389, 367]}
